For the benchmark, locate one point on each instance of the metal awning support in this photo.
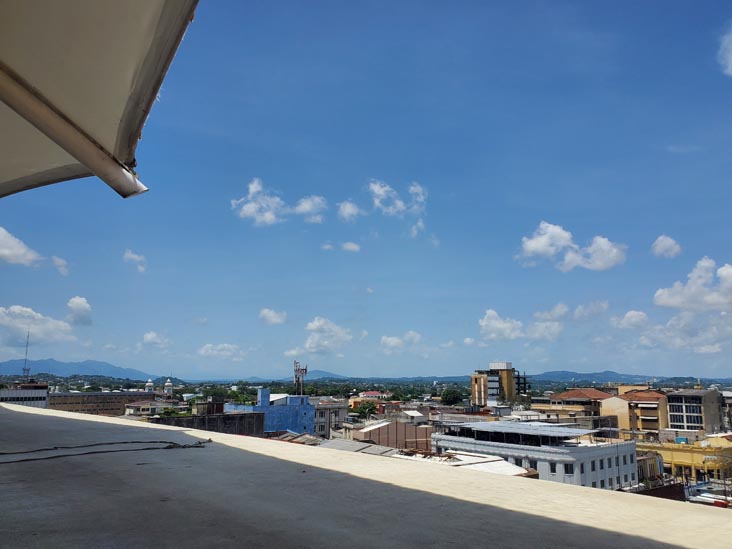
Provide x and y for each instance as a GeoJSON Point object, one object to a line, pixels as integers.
{"type": "Point", "coordinates": [62, 131]}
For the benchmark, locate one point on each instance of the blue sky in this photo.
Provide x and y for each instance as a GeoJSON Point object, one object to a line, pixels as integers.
{"type": "Point", "coordinates": [401, 189]}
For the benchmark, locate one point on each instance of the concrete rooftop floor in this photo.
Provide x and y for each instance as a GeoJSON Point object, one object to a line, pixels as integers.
{"type": "Point", "coordinates": [238, 491]}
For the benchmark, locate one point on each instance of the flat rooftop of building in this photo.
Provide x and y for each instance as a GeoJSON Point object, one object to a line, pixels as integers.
{"type": "Point", "coordinates": [691, 392]}
{"type": "Point", "coordinates": [528, 428]}
{"type": "Point", "coordinates": [239, 490]}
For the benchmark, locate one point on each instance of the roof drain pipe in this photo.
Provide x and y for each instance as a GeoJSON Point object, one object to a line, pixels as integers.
{"type": "Point", "coordinates": [66, 135]}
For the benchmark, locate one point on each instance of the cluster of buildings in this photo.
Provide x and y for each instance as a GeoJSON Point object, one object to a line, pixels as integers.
{"type": "Point", "coordinates": [627, 437]}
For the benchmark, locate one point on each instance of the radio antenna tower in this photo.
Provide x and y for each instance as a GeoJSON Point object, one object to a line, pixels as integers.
{"type": "Point", "coordinates": [300, 374]}
{"type": "Point", "coordinates": [26, 369]}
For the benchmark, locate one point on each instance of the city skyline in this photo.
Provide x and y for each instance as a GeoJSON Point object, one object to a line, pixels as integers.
{"type": "Point", "coordinates": [402, 192]}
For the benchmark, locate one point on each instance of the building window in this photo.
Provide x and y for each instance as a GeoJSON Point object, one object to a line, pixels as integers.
{"type": "Point", "coordinates": [602, 463]}
{"type": "Point", "coordinates": [569, 468]}
{"type": "Point", "coordinates": [609, 462]}
{"type": "Point", "coordinates": [321, 427]}
{"type": "Point", "coordinates": [582, 468]}
{"type": "Point", "coordinates": [617, 479]}
{"type": "Point", "coordinates": [632, 459]}
{"type": "Point", "coordinates": [693, 409]}
{"type": "Point", "coordinates": [553, 468]}
{"type": "Point", "coordinates": [594, 484]}
{"type": "Point", "coordinates": [632, 476]}
{"type": "Point", "coordinates": [676, 409]}
{"type": "Point", "coordinates": [610, 482]}
{"type": "Point", "coordinates": [602, 484]}
{"type": "Point", "coordinates": [625, 459]}
{"type": "Point", "coordinates": [617, 461]}
{"type": "Point", "coordinates": [592, 465]}
{"type": "Point", "coordinates": [677, 418]}
{"type": "Point", "coordinates": [321, 413]}
{"type": "Point", "coordinates": [532, 464]}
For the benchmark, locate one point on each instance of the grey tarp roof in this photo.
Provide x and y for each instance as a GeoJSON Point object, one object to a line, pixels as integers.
{"type": "Point", "coordinates": [97, 63]}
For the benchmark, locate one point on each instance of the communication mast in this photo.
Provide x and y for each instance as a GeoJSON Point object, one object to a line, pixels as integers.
{"type": "Point", "coordinates": [300, 374]}
{"type": "Point", "coordinates": [26, 369]}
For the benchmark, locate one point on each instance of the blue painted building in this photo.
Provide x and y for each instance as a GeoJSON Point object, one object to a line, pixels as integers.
{"type": "Point", "coordinates": [281, 412]}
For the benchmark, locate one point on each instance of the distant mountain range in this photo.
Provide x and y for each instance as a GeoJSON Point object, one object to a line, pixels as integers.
{"type": "Point", "coordinates": [97, 368]}
{"type": "Point", "coordinates": [66, 369]}
{"type": "Point", "coordinates": [592, 377]}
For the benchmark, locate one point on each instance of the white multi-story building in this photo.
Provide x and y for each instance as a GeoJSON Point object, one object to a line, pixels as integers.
{"type": "Point", "coordinates": [330, 413]}
{"type": "Point", "coordinates": [558, 453]}
{"type": "Point", "coordinates": [33, 395]}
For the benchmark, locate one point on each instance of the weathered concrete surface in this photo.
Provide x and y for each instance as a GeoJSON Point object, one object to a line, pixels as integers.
{"type": "Point", "coordinates": [245, 491]}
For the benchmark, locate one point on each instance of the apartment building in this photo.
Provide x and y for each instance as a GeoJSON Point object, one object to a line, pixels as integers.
{"type": "Point", "coordinates": [641, 414]}
{"type": "Point", "coordinates": [500, 382]}
{"type": "Point", "coordinates": [330, 413]}
{"type": "Point", "coordinates": [694, 410]}
{"type": "Point", "coordinates": [583, 401]}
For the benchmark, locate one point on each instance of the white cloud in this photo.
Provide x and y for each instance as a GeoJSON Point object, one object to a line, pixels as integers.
{"type": "Point", "coordinates": [16, 320]}
{"type": "Point", "coordinates": [350, 247]}
{"type": "Point", "coordinates": [386, 199]}
{"type": "Point", "coordinates": [349, 211]}
{"type": "Point", "coordinates": [553, 241]}
{"type": "Point", "coordinates": [224, 351]}
{"type": "Point", "coordinates": [131, 257]}
{"type": "Point", "coordinates": [364, 334]}
{"type": "Point", "coordinates": [200, 320]}
{"type": "Point", "coordinates": [547, 241]}
{"type": "Point", "coordinates": [79, 311]}
{"type": "Point", "coordinates": [600, 255]}
{"type": "Point", "coordinates": [631, 319]}
{"type": "Point", "coordinates": [14, 250]}
{"type": "Point", "coordinates": [702, 292]}
{"type": "Point", "coordinates": [687, 332]}
{"type": "Point", "coordinates": [708, 349]}
{"type": "Point", "coordinates": [265, 208]}
{"type": "Point", "coordinates": [270, 316]}
{"type": "Point", "coordinates": [390, 344]}
{"type": "Point", "coordinates": [548, 330]}
{"type": "Point", "coordinates": [448, 344]}
{"type": "Point", "coordinates": [468, 341]}
{"type": "Point", "coordinates": [724, 54]}
{"type": "Point", "coordinates": [259, 205]}
{"type": "Point", "coordinates": [61, 265]}
{"type": "Point", "coordinates": [555, 313]}
{"type": "Point", "coordinates": [419, 198]}
{"type": "Point", "coordinates": [493, 327]}
{"type": "Point", "coordinates": [417, 228]}
{"type": "Point", "coordinates": [594, 308]}
{"type": "Point", "coordinates": [665, 246]}
{"type": "Point", "coordinates": [326, 246]}
{"type": "Point", "coordinates": [325, 336]}
{"type": "Point", "coordinates": [154, 339]}
{"type": "Point", "coordinates": [311, 208]}
{"type": "Point", "coordinates": [369, 290]}
{"type": "Point", "coordinates": [294, 352]}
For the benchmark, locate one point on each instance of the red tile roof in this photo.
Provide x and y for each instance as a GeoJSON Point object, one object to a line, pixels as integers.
{"type": "Point", "coordinates": [649, 396]}
{"type": "Point", "coordinates": [585, 393]}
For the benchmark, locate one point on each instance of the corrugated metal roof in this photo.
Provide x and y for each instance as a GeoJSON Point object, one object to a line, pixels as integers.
{"type": "Point", "coordinates": [528, 428]}
{"type": "Point", "coordinates": [413, 413]}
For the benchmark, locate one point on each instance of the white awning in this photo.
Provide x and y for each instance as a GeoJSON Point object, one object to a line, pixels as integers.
{"type": "Point", "coordinates": [77, 81]}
